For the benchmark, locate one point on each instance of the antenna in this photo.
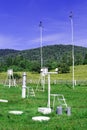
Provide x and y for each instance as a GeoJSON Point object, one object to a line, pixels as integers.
{"type": "Point", "coordinates": [40, 25]}
{"type": "Point", "coordinates": [71, 18]}
{"type": "Point", "coordinates": [42, 76]}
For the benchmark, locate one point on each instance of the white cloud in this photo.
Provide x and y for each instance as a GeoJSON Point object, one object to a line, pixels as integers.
{"type": "Point", "coordinates": [9, 42]}
{"type": "Point", "coordinates": [18, 43]}
{"type": "Point", "coordinates": [81, 42]}
{"type": "Point", "coordinates": [50, 38]}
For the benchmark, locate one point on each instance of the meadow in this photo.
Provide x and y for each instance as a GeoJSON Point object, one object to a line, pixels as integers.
{"type": "Point", "coordinates": [80, 75]}
{"type": "Point", "coordinates": [75, 98]}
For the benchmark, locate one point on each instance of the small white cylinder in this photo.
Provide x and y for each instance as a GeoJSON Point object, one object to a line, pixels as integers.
{"type": "Point", "coordinates": [24, 86]}
{"type": "Point", "coordinates": [59, 110]}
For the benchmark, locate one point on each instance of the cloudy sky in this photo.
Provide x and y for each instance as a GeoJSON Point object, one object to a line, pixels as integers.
{"type": "Point", "coordinates": [19, 23]}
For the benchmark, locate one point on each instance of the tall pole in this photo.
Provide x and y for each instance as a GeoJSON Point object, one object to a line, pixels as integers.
{"type": "Point", "coordinates": [40, 25]}
{"type": "Point", "coordinates": [48, 105]}
{"type": "Point", "coordinates": [71, 18]}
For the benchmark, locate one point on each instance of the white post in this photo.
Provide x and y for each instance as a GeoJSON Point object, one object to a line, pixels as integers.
{"type": "Point", "coordinates": [14, 82]}
{"type": "Point", "coordinates": [49, 86]}
{"type": "Point", "coordinates": [24, 86]}
{"type": "Point", "coordinates": [9, 82]}
{"type": "Point", "coordinates": [43, 81]}
{"type": "Point", "coordinates": [48, 91]}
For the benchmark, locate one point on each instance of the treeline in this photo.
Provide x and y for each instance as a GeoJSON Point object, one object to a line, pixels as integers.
{"type": "Point", "coordinates": [56, 56]}
{"type": "Point", "coordinates": [21, 64]}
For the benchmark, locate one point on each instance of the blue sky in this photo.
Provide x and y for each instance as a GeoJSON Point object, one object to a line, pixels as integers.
{"type": "Point", "coordinates": [19, 23]}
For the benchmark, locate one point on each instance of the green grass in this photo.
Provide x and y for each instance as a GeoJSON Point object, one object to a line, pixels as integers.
{"type": "Point", "coordinates": [76, 99]}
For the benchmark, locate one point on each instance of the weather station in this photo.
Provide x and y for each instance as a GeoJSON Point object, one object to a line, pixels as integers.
{"type": "Point", "coordinates": [47, 110]}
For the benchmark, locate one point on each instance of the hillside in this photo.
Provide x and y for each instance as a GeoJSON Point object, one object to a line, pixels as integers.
{"type": "Point", "coordinates": [7, 52]}
{"type": "Point", "coordinates": [56, 53]}
{"type": "Point", "coordinates": [53, 55]}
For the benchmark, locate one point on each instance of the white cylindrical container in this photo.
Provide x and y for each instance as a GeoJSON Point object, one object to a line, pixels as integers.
{"type": "Point", "coordinates": [59, 110]}
{"type": "Point", "coordinates": [24, 86]}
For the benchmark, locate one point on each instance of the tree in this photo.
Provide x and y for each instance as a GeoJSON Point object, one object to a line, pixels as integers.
{"type": "Point", "coordinates": [63, 68]}
{"type": "Point", "coordinates": [35, 67]}
{"type": "Point", "coordinates": [85, 59]}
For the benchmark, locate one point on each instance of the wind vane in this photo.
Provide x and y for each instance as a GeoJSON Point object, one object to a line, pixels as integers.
{"type": "Point", "coordinates": [40, 25]}
{"type": "Point", "coordinates": [71, 14]}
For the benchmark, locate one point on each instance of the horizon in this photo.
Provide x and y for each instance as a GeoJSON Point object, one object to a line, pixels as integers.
{"type": "Point", "coordinates": [43, 47]}
{"type": "Point", "coordinates": [19, 23]}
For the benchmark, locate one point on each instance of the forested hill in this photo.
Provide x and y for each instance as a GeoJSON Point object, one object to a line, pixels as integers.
{"type": "Point", "coordinates": [6, 52]}
{"type": "Point", "coordinates": [53, 55]}
{"type": "Point", "coordinates": [56, 53]}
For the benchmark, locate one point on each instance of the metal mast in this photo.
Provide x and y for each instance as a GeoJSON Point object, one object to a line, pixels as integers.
{"type": "Point", "coordinates": [40, 25]}
{"type": "Point", "coordinates": [71, 18]}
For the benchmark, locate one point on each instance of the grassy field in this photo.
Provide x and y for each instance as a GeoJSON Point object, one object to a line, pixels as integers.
{"type": "Point", "coordinates": [80, 74]}
{"type": "Point", "coordinates": [76, 99]}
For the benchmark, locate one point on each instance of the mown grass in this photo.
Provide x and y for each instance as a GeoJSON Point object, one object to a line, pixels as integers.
{"type": "Point", "coordinates": [76, 99]}
{"type": "Point", "coordinates": [80, 74]}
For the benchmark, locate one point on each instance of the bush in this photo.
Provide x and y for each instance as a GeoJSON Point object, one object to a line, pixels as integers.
{"type": "Point", "coordinates": [16, 76]}
{"type": "Point", "coordinates": [63, 68]}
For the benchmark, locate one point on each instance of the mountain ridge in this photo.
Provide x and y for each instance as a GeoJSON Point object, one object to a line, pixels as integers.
{"type": "Point", "coordinates": [52, 56]}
